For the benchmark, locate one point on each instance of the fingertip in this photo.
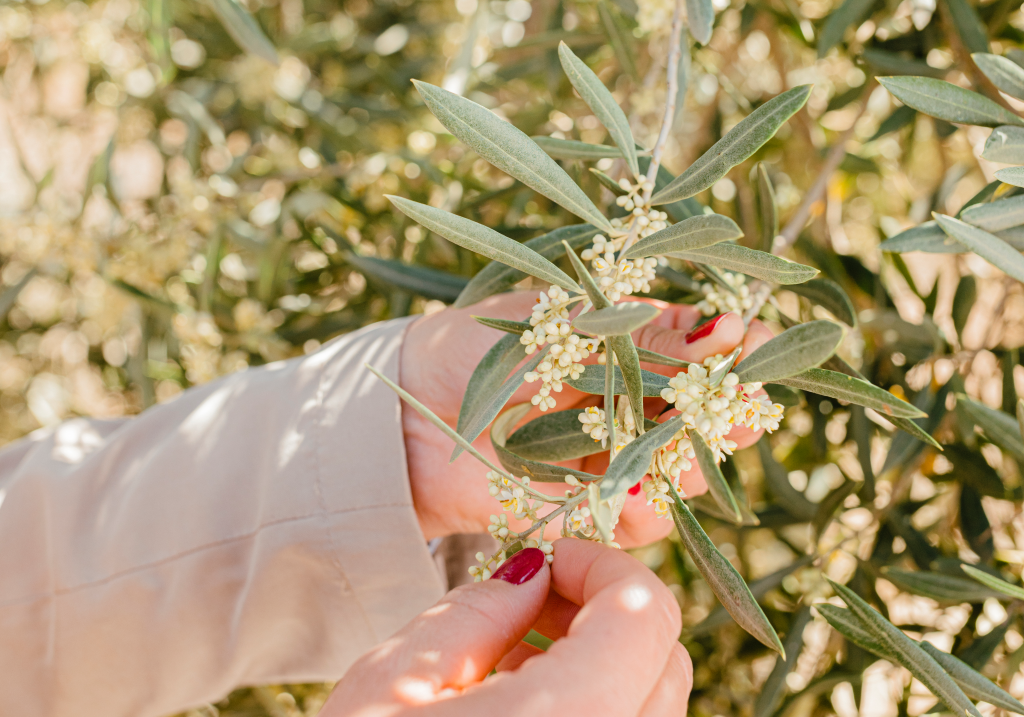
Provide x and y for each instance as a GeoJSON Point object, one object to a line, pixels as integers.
{"type": "Point", "coordinates": [725, 335]}
{"type": "Point", "coordinates": [756, 335]}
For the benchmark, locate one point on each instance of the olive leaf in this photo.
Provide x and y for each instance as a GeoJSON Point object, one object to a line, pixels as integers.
{"type": "Point", "coordinates": [967, 25]}
{"type": "Point", "coordinates": [244, 30]}
{"type": "Point", "coordinates": [422, 280]}
{"type": "Point", "coordinates": [770, 696]}
{"type": "Point", "coordinates": [990, 248]}
{"type": "Point", "coordinates": [632, 462]}
{"type": "Point", "coordinates": [516, 464]}
{"type": "Point", "coordinates": [574, 149]}
{"type": "Point", "coordinates": [607, 182]}
{"type": "Point", "coordinates": [717, 485]}
{"type": "Point", "coordinates": [1011, 175]}
{"type": "Point", "coordinates": [721, 576]}
{"type": "Point", "coordinates": [852, 390]}
{"type": "Point", "coordinates": [908, 653]}
{"type": "Point", "coordinates": [740, 142]}
{"type": "Point", "coordinates": [1000, 428]}
{"type": "Point", "coordinates": [996, 216]}
{"type": "Point", "coordinates": [1020, 410]}
{"type": "Point", "coordinates": [620, 37]}
{"type": "Point", "coordinates": [766, 208]}
{"type": "Point", "coordinates": [496, 365]}
{"type": "Point", "coordinates": [948, 102]}
{"type": "Point", "coordinates": [601, 102]}
{"type": "Point", "coordinates": [509, 150]}
{"type": "Point", "coordinates": [991, 581]}
{"type": "Point", "coordinates": [847, 624]}
{"type": "Point", "coordinates": [484, 240]}
{"type": "Point", "coordinates": [594, 293]}
{"type": "Point", "coordinates": [791, 352]}
{"type": "Point", "coordinates": [592, 381]}
{"type": "Point", "coordinates": [632, 375]}
{"type": "Point", "coordinates": [497, 277]}
{"type": "Point", "coordinates": [948, 589]}
{"type": "Point", "coordinates": [551, 437]}
{"type": "Point", "coordinates": [1005, 144]}
{"type": "Point", "coordinates": [618, 320]}
{"type": "Point", "coordinates": [488, 405]}
{"type": "Point", "coordinates": [506, 325]}
{"type": "Point", "coordinates": [700, 18]}
{"type": "Point", "coordinates": [830, 296]}
{"type": "Point", "coordinates": [1005, 74]}
{"type": "Point", "coordinates": [776, 476]}
{"type": "Point", "coordinates": [609, 392]}
{"type": "Point", "coordinates": [758, 264]}
{"type": "Point", "coordinates": [851, 12]}
{"type": "Point", "coordinates": [692, 233]}
{"type": "Point", "coordinates": [654, 357]}
{"type": "Point", "coordinates": [927, 237]}
{"type": "Point", "coordinates": [897, 120]}
{"type": "Point", "coordinates": [973, 683]}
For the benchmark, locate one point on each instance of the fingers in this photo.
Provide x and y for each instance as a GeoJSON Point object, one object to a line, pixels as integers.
{"type": "Point", "coordinates": [718, 336]}
{"type": "Point", "coordinates": [670, 696]}
{"type": "Point", "coordinates": [757, 334]}
{"type": "Point", "coordinates": [519, 654]}
{"type": "Point", "coordinates": [454, 644]}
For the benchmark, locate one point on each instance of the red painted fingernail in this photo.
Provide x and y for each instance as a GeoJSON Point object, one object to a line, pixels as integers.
{"type": "Point", "coordinates": [634, 490]}
{"type": "Point", "coordinates": [520, 567]}
{"type": "Point", "coordinates": [704, 329]}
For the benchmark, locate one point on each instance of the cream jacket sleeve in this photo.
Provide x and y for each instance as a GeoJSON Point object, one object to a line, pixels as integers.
{"type": "Point", "coordinates": [256, 529]}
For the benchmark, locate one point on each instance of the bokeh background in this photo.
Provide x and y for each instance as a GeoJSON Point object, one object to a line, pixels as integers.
{"type": "Point", "coordinates": [158, 185]}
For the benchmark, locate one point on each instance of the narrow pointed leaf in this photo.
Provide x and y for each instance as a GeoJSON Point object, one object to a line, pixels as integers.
{"type": "Point", "coordinates": [989, 247]}
{"type": "Point", "coordinates": [690, 234]}
{"type": "Point", "coordinates": [717, 485]}
{"type": "Point", "coordinates": [700, 18]}
{"type": "Point", "coordinates": [830, 296]}
{"type": "Point", "coordinates": [632, 462]}
{"type": "Point", "coordinates": [791, 352]}
{"type": "Point", "coordinates": [620, 38]}
{"type": "Point", "coordinates": [601, 102]}
{"type": "Point", "coordinates": [766, 209]}
{"type": "Point", "coordinates": [607, 182]}
{"type": "Point", "coordinates": [897, 120]}
{"type": "Point", "coordinates": [1000, 428]}
{"type": "Point", "coordinates": [520, 466]}
{"type": "Point", "coordinates": [592, 381]}
{"type": "Point", "coordinates": [618, 320]}
{"type": "Point", "coordinates": [1005, 144]}
{"type": "Point", "coordinates": [509, 150]}
{"type": "Point", "coordinates": [776, 476]}
{"type": "Point", "coordinates": [991, 581]}
{"type": "Point", "coordinates": [574, 149]}
{"type": "Point", "coordinates": [244, 29]}
{"type": "Point", "coordinates": [632, 375]}
{"type": "Point", "coordinates": [1005, 74]}
{"type": "Point", "coordinates": [770, 696]}
{"type": "Point", "coordinates": [847, 624]}
{"type": "Point", "coordinates": [553, 437]}
{"type": "Point", "coordinates": [996, 216]}
{"type": "Point", "coordinates": [1011, 175]}
{"type": "Point", "coordinates": [610, 376]}
{"type": "Point", "coordinates": [948, 101]}
{"type": "Point", "coordinates": [422, 280]}
{"type": "Point", "coordinates": [497, 277]}
{"type": "Point", "coordinates": [909, 654]}
{"type": "Point", "coordinates": [927, 237]}
{"type": "Point", "coordinates": [488, 405]}
{"type": "Point", "coordinates": [496, 365]}
{"type": "Point", "coordinates": [851, 12]}
{"type": "Point", "coordinates": [660, 359]}
{"type": "Point", "coordinates": [973, 683]}
{"type": "Point", "coordinates": [911, 428]}
{"type": "Point", "coordinates": [740, 142]}
{"type": "Point", "coordinates": [721, 577]}
{"type": "Point", "coordinates": [751, 262]}
{"type": "Point", "coordinates": [484, 240]}
{"type": "Point", "coordinates": [506, 325]}
{"type": "Point", "coordinates": [594, 293]}
{"type": "Point", "coordinates": [968, 26]}
{"type": "Point", "coordinates": [947, 589]}
{"type": "Point", "coordinates": [852, 390]}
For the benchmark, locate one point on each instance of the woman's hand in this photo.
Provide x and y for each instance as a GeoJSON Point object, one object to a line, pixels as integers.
{"type": "Point", "coordinates": [616, 653]}
{"type": "Point", "coordinates": [438, 357]}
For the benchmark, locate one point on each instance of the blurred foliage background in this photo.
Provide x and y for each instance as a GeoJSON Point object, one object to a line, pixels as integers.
{"type": "Point", "coordinates": [158, 186]}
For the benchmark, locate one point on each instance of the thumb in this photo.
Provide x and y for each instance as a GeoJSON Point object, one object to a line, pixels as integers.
{"type": "Point", "coordinates": [459, 641]}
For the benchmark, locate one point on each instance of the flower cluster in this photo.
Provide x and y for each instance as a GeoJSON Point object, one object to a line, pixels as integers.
{"type": "Point", "coordinates": [487, 565]}
{"type": "Point", "coordinates": [594, 424]}
{"type": "Point", "coordinates": [630, 276]}
{"type": "Point", "coordinates": [718, 300]}
{"type": "Point", "coordinates": [511, 496]}
{"type": "Point", "coordinates": [551, 324]}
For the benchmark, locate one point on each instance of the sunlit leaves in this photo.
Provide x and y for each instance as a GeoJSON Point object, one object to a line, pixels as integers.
{"type": "Point", "coordinates": [989, 247]}
{"type": "Point", "coordinates": [751, 262]}
{"type": "Point", "coordinates": [633, 461]}
{"type": "Point", "coordinates": [853, 390]}
{"type": "Point", "coordinates": [690, 234]}
{"type": "Point", "coordinates": [617, 320]}
{"type": "Point", "coordinates": [791, 352]}
{"type": "Point", "coordinates": [948, 102]}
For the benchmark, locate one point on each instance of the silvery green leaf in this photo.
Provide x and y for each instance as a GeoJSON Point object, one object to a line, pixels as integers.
{"type": "Point", "coordinates": [488, 405]}
{"type": "Point", "coordinates": [776, 477]}
{"type": "Point", "coordinates": [913, 429]}
{"type": "Point", "coordinates": [601, 102]}
{"type": "Point", "coordinates": [897, 120]}
{"type": "Point", "coordinates": [973, 683]}
{"type": "Point", "coordinates": [947, 589]}
{"type": "Point", "coordinates": [770, 695]}
{"type": "Point", "coordinates": [852, 390]}
{"type": "Point", "coordinates": [592, 381]}
{"type": "Point", "coordinates": [434, 419]}
{"type": "Point", "coordinates": [851, 12]}
{"type": "Point", "coordinates": [620, 37]}
{"type": "Point", "coordinates": [552, 437]}
{"type": "Point", "coordinates": [506, 325]}
{"type": "Point", "coordinates": [1001, 586]}
{"type": "Point", "coordinates": [632, 375]}
{"type": "Point", "coordinates": [717, 485]}
{"type": "Point", "coordinates": [594, 293]}
{"type": "Point", "coordinates": [618, 320]}
{"type": "Point", "coordinates": [484, 240]}
{"type": "Point", "coordinates": [748, 136]}
{"type": "Point", "coordinates": [693, 233]}
{"type": "Point", "coordinates": [963, 301]}
{"type": "Point", "coordinates": [422, 280]}
{"type": "Point", "coordinates": [791, 352]}
{"type": "Point", "coordinates": [1000, 428]}
{"type": "Point", "coordinates": [758, 264]}
{"type": "Point", "coordinates": [574, 149]}
{"type": "Point", "coordinates": [497, 277]}
{"type": "Point", "coordinates": [908, 653]}
{"type": "Point", "coordinates": [892, 63]}
{"type": "Point", "coordinates": [721, 576]}
{"type": "Point", "coordinates": [607, 182]}
{"type": "Point", "coordinates": [830, 296]}
{"type": "Point", "coordinates": [968, 26]}
{"type": "Point", "coordinates": [700, 18]}
{"type": "Point", "coordinates": [633, 461]}
{"type": "Point", "coordinates": [509, 150]}
{"type": "Point", "coordinates": [948, 102]}
{"type": "Point", "coordinates": [847, 624]}
{"type": "Point", "coordinates": [996, 216]}
{"type": "Point", "coordinates": [766, 208]}
{"type": "Point", "coordinates": [520, 466]}
{"type": "Point", "coordinates": [496, 365]}
{"type": "Point", "coordinates": [1005, 144]}
{"type": "Point", "coordinates": [244, 29]}
{"type": "Point", "coordinates": [1005, 74]}
{"type": "Point", "coordinates": [927, 237]}
{"type": "Point", "coordinates": [1011, 175]}
{"type": "Point", "coordinates": [611, 374]}
{"type": "Point", "coordinates": [990, 248]}
{"type": "Point", "coordinates": [660, 359]}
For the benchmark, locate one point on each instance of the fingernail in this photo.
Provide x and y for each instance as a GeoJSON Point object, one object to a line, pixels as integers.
{"type": "Point", "coordinates": [520, 567]}
{"type": "Point", "coordinates": [634, 490]}
{"type": "Point", "coordinates": [704, 329]}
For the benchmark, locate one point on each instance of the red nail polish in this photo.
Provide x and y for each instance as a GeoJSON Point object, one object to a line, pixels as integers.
{"type": "Point", "coordinates": [704, 329]}
{"type": "Point", "coordinates": [520, 567]}
{"type": "Point", "coordinates": [634, 490]}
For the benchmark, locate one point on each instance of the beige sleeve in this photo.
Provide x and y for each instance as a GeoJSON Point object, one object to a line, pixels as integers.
{"type": "Point", "coordinates": [256, 529]}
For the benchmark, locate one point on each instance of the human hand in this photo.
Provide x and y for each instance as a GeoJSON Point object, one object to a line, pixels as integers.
{"type": "Point", "coordinates": [438, 357]}
{"type": "Point", "coordinates": [616, 653]}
